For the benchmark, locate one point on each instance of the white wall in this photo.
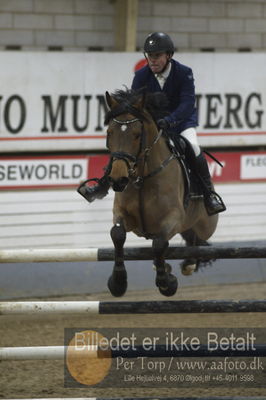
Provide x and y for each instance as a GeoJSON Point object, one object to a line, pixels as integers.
{"type": "Point", "coordinates": [62, 218]}
{"type": "Point", "coordinates": [85, 24]}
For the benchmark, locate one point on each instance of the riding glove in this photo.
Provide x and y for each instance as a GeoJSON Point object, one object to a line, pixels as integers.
{"type": "Point", "coordinates": [163, 124]}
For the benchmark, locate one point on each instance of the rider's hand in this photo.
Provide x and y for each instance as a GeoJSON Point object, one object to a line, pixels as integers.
{"type": "Point", "coordinates": [163, 124]}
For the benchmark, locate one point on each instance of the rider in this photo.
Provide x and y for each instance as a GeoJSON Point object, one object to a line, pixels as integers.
{"type": "Point", "coordinates": [176, 80]}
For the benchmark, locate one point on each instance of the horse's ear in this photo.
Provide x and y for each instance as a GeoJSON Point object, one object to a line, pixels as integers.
{"type": "Point", "coordinates": [110, 100]}
{"type": "Point", "coordinates": [141, 101]}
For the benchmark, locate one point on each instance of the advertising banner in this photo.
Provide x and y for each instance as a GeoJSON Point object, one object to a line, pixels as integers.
{"type": "Point", "coordinates": [56, 101]}
{"type": "Point", "coordinates": [25, 172]}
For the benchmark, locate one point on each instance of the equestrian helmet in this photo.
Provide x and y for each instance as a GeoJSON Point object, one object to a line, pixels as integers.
{"type": "Point", "coordinates": [159, 42]}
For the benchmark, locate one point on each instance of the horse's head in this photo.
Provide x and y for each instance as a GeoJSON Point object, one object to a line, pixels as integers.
{"type": "Point", "coordinates": [125, 136]}
{"type": "Point", "coordinates": [131, 133]}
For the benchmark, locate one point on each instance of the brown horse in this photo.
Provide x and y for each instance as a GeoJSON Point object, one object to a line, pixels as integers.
{"type": "Point", "coordinates": [149, 184]}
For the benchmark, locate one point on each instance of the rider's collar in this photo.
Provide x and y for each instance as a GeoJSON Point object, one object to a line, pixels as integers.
{"type": "Point", "coordinates": [166, 72]}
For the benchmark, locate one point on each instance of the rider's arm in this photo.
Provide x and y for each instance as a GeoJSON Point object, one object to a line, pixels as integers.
{"type": "Point", "coordinates": [186, 103]}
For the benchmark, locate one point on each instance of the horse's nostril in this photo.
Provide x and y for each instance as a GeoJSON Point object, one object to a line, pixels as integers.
{"type": "Point", "coordinates": [120, 184]}
{"type": "Point", "coordinates": [123, 181]}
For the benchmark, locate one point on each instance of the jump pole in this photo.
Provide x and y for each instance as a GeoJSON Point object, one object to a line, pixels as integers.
{"type": "Point", "coordinates": [128, 307]}
{"type": "Point", "coordinates": [59, 352]}
{"type": "Point", "coordinates": [139, 253]}
{"type": "Point", "coordinates": [150, 398]}
{"type": "Point", "coordinates": [42, 353]}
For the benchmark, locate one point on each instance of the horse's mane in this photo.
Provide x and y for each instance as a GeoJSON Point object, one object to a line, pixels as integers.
{"type": "Point", "coordinates": [155, 103]}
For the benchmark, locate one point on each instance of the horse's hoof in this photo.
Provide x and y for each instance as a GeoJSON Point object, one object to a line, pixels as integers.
{"type": "Point", "coordinates": [117, 289]}
{"type": "Point", "coordinates": [171, 289]}
{"type": "Point", "coordinates": [168, 268]}
{"type": "Point", "coordinates": [188, 267]}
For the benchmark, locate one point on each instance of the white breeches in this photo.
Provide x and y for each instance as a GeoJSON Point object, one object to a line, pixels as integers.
{"type": "Point", "coordinates": [191, 135]}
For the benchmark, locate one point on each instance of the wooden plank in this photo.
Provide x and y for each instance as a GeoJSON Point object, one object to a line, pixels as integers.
{"type": "Point", "coordinates": [255, 227]}
{"type": "Point", "coordinates": [32, 196]}
{"type": "Point", "coordinates": [56, 217]}
{"type": "Point", "coordinates": [39, 195]}
{"type": "Point", "coordinates": [55, 229]}
{"type": "Point", "coordinates": [126, 25]}
{"type": "Point", "coordinates": [35, 218]}
{"type": "Point", "coordinates": [241, 188]}
{"type": "Point", "coordinates": [244, 209]}
{"type": "Point", "coordinates": [43, 207]}
{"type": "Point", "coordinates": [54, 241]}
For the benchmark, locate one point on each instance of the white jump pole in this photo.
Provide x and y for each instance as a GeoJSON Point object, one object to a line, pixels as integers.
{"type": "Point", "coordinates": [46, 352]}
{"type": "Point", "coordinates": [52, 307]}
{"type": "Point", "coordinates": [48, 255]}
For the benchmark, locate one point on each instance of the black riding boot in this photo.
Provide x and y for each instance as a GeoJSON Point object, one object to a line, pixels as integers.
{"type": "Point", "coordinates": [212, 200]}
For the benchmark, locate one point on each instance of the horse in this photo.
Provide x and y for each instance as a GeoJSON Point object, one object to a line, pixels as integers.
{"type": "Point", "coordinates": [149, 186]}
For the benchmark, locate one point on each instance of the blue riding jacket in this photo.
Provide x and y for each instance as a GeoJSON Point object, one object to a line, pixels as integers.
{"type": "Point", "coordinates": [180, 91]}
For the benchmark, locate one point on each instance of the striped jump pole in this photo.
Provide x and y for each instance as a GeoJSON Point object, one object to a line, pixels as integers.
{"type": "Point", "coordinates": [131, 307]}
{"type": "Point", "coordinates": [139, 253]}
{"type": "Point", "coordinates": [161, 351]}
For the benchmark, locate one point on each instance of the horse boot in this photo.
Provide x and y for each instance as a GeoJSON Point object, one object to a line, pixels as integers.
{"type": "Point", "coordinates": [213, 202]}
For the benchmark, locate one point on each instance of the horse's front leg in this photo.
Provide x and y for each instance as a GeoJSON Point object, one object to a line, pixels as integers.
{"type": "Point", "coordinates": [166, 282]}
{"type": "Point", "coordinates": [117, 282]}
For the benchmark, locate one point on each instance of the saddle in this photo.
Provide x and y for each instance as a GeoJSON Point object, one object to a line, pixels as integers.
{"type": "Point", "coordinates": [183, 150]}
{"type": "Point", "coordinates": [195, 184]}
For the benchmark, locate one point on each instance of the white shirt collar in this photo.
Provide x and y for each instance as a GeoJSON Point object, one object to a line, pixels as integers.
{"type": "Point", "coordinates": [161, 78]}
{"type": "Point", "coordinates": [167, 70]}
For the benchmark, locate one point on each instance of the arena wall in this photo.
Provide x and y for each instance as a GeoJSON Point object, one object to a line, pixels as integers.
{"type": "Point", "coordinates": [84, 25]}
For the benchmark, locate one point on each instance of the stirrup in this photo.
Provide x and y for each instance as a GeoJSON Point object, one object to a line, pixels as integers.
{"type": "Point", "coordinates": [213, 211]}
{"type": "Point", "coordinates": [98, 191]}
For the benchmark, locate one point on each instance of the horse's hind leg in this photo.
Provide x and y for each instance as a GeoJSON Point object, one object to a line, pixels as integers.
{"type": "Point", "coordinates": [117, 282]}
{"type": "Point", "coordinates": [166, 282]}
{"type": "Point", "coordinates": [190, 265]}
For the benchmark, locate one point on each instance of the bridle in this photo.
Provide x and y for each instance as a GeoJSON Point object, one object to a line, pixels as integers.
{"type": "Point", "coordinates": [140, 158]}
{"type": "Point", "coordinates": [142, 154]}
{"type": "Point", "coordinates": [122, 155]}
